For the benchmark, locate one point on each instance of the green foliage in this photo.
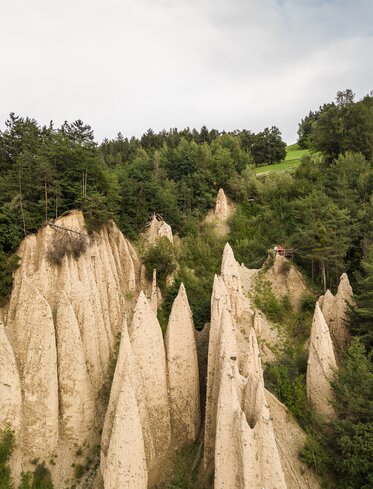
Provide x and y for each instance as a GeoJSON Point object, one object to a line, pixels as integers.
{"type": "Point", "coordinates": [160, 256]}
{"type": "Point", "coordinates": [8, 264]}
{"type": "Point", "coordinates": [351, 438]}
{"type": "Point", "coordinates": [339, 127]}
{"type": "Point", "coordinates": [361, 323]}
{"type": "Point", "coordinates": [284, 380]}
{"type": "Point", "coordinates": [7, 443]}
{"type": "Point", "coordinates": [316, 456]}
{"type": "Point", "coordinates": [200, 259]}
{"type": "Point", "coordinates": [274, 308]}
{"type": "Point", "coordinates": [79, 471]}
{"type": "Point", "coordinates": [42, 478]}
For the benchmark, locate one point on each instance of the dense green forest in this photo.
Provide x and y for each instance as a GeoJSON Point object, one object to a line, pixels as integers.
{"type": "Point", "coordinates": [323, 210]}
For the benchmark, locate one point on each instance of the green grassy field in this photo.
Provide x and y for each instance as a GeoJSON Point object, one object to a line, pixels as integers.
{"type": "Point", "coordinates": [293, 156]}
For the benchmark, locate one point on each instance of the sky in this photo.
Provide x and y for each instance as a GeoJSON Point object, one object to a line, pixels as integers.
{"type": "Point", "coordinates": [127, 66]}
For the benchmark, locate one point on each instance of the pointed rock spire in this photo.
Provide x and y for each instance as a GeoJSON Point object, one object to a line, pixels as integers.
{"type": "Point", "coordinates": [127, 367]}
{"type": "Point", "coordinates": [148, 349]}
{"type": "Point", "coordinates": [126, 461]}
{"type": "Point", "coordinates": [334, 309]}
{"type": "Point", "coordinates": [33, 336]}
{"type": "Point", "coordinates": [343, 299]}
{"type": "Point", "coordinates": [221, 206]}
{"type": "Point", "coordinates": [157, 229]}
{"type": "Point", "coordinates": [182, 366]}
{"type": "Point", "coordinates": [77, 407]}
{"type": "Point", "coordinates": [321, 365]}
{"type": "Point", "coordinates": [230, 272]}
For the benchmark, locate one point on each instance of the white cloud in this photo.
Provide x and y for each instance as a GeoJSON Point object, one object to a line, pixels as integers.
{"type": "Point", "coordinates": [127, 66]}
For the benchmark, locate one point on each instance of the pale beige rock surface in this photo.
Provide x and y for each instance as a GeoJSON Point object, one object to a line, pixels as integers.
{"type": "Point", "coordinates": [10, 385]}
{"type": "Point", "coordinates": [321, 365]}
{"type": "Point", "coordinates": [157, 229]}
{"type": "Point", "coordinates": [148, 348]}
{"type": "Point", "coordinates": [343, 299]}
{"type": "Point", "coordinates": [183, 375]}
{"type": "Point", "coordinates": [31, 331]}
{"type": "Point", "coordinates": [290, 439]}
{"type": "Point", "coordinates": [221, 206]}
{"type": "Point", "coordinates": [285, 279]}
{"type": "Point", "coordinates": [126, 367]}
{"type": "Point", "coordinates": [219, 302]}
{"type": "Point", "coordinates": [126, 461]}
{"type": "Point", "coordinates": [230, 272]}
{"type": "Point", "coordinates": [61, 322]}
{"type": "Point", "coordinates": [335, 309]}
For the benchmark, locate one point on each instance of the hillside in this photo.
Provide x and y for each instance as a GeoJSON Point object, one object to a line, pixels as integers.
{"type": "Point", "coordinates": [151, 337]}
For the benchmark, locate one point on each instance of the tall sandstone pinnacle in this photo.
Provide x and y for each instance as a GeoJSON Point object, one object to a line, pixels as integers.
{"type": "Point", "coordinates": [321, 366]}
{"type": "Point", "coordinates": [246, 453]}
{"type": "Point", "coordinates": [183, 375]}
{"type": "Point", "coordinates": [221, 206]}
{"type": "Point", "coordinates": [230, 272]}
{"type": "Point", "coordinates": [335, 310]}
{"type": "Point", "coordinates": [126, 461]}
{"type": "Point", "coordinates": [126, 368]}
{"type": "Point", "coordinates": [148, 348]}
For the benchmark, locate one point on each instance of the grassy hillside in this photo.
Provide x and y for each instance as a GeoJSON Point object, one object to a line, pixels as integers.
{"type": "Point", "coordinates": [293, 156]}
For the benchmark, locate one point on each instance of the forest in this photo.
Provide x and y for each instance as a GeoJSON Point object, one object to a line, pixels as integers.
{"type": "Point", "coordinates": [323, 211]}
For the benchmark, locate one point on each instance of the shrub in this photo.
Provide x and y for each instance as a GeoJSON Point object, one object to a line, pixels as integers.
{"type": "Point", "coordinates": [79, 471]}
{"type": "Point", "coordinates": [161, 256]}
{"type": "Point", "coordinates": [7, 442]}
{"type": "Point", "coordinates": [274, 308]}
{"type": "Point", "coordinates": [8, 264]}
{"type": "Point", "coordinates": [286, 380]}
{"type": "Point", "coordinates": [315, 456]}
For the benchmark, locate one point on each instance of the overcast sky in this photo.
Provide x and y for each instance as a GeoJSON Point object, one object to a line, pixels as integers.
{"type": "Point", "coordinates": [124, 65]}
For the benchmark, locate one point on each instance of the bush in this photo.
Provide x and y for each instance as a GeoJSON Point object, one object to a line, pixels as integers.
{"type": "Point", "coordinates": [315, 456]}
{"type": "Point", "coordinates": [161, 256]}
{"type": "Point", "coordinates": [79, 471]}
{"type": "Point", "coordinates": [286, 380]}
{"type": "Point", "coordinates": [274, 308]}
{"type": "Point", "coordinates": [8, 264]}
{"type": "Point", "coordinates": [7, 442]}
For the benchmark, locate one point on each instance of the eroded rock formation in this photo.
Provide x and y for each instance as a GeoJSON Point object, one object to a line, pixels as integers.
{"type": "Point", "coordinates": [148, 348]}
{"type": "Point", "coordinates": [239, 438]}
{"type": "Point", "coordinates": [285, 279]}
{"type": "Point", "coordinates": [221, 206]}
{"type": "Point", "coordinates": [321, 365]}
{"type": "Point", "coordinates": [182, 367]}
{"type": "Point", "coordinates": [157, 229]}
{"type": "Point", "coordinates": [335, 310]}
{"type": "Point", "coordinates": [66, 307]}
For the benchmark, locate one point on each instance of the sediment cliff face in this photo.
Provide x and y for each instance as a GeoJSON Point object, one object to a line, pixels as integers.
{"type": "Point", "coordinates": [60, 328]}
